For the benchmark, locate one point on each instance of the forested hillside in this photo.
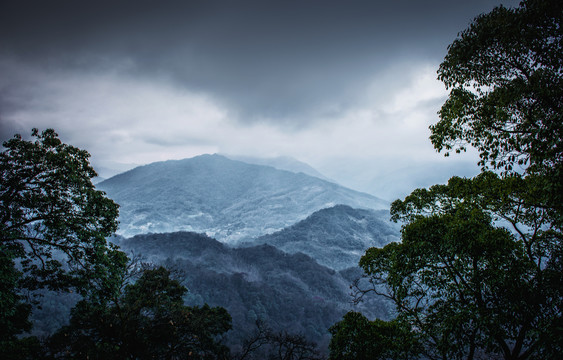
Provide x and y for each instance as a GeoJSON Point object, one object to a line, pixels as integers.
{"type": "Point", "coordinates": [288, 292]}
{"type": "Point", "coordinates": [227, 199]}
{"type": "Point", "coordinates": [335, 237]}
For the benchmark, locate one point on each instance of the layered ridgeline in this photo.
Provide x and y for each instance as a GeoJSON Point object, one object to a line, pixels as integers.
{"type": "Point", "coordinates": [227, 199]}
{"type": "Point", "coordinates": [335, 237]}
{"type": "Point", "coordinates": [269, 278]}
{"type": "Point", "coordinates": [298, 248]}
{"type": "Point", "coordinates": [289, 292]}
{"type": "Point", "coordinates": [282, 163]}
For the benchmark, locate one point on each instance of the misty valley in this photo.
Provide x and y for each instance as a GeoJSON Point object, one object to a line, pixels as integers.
{"type": "Point", "coordinates": [271, 246]}
{"type": "Point", "coordinates": [216, 257]}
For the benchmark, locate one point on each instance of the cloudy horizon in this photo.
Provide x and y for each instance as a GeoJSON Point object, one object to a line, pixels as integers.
{"type": "Point", "coordinates": [349, 88]}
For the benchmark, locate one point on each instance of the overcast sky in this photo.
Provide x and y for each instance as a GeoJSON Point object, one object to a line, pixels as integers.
{"type": "Point", "coordinates": [348, 87]}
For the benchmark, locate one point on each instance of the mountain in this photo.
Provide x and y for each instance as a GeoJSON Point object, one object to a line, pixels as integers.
{"type": "Point", "coordinates": [282, 163]}
{"type": "Point", "coordinates": [289, 292]}
{"type": "Point", "coordinates": [335, 237]}
{"type": "Point", "coordinates": [227, 199]}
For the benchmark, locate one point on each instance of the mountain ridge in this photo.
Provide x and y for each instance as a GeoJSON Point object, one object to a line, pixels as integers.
{"type": "Point", "coordinates": [335, 237]}
{"type": "Point", "coordinates": [281, 163]}
{"type": "Point", "coordinates": [227, 199]}
{"type": "Point", "coordinates": [290, 292]}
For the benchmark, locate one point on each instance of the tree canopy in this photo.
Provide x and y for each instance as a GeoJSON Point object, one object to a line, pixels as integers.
{"type": "Point", "coordinates": [356, 337]}
{"type": "Point", "coordinates": [143, 320]}
{"type": "Point", "coordinates": [53, 235]}
{"type": "Point", "coordinates": [51, 211]}
{"type": "Point", "coordinates": [467, 285]}
{"type": "Point", "coordinates": [505, 75]}
{"type": "Point", "coordinates": [478, 273]}
{"type": "Point", "coordinates": [53, 225]}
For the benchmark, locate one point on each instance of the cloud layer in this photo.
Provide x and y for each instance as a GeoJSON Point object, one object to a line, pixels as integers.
{"type": "Point", "coordinates": [348, 87]}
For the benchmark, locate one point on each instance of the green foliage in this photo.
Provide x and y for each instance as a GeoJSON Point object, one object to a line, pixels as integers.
{"type": "Point", "coordinates": [53, 230]}
{"type": "Point", "coordinates": [53, 235]}
{"type": "Point", "coordinates": [144, 320]}
{"type": "Point", "coordinates": [355, 337]}
{"type": "Point", "coordinates": [50, 210]}
{"type": "Point", "coordinates": [506, 84]}
{"type": "Point", "coordinates": [465, 285]}
{"type": "Point", "coordinates": [505, 73]}
{"type": "Point", "coordinates": [478, 273]}
{"type": "Point", "coordinates": [14, 313]}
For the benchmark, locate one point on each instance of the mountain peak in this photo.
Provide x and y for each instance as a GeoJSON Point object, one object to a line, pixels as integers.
{"type": "Point", "coordinates": [335, 237]}
{"type": "Point", "coordinates": [227, 199]}
{"type": "Point", "coordinates": [282, 163]}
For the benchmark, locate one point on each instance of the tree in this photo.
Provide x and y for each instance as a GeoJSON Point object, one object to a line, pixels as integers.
{"type": "Point", "coordinates": [51, 210]}
{"type": "Point", "coordinates": [356, 337]}
{"type": "Point", "coordinates": [143, 320]}
{"type": "Point", "coordinates": [268, 344]}
{"type": "Point", "coordinates": [467, 286]}
{"type": "Point", "coordinates": [478, 273]}
{"type": "Point", "coordinates": [506, 80]}
{"type": "Point", "coordinates": [53, 235]}
{"type": "Point", "coordinates": [53, 225]}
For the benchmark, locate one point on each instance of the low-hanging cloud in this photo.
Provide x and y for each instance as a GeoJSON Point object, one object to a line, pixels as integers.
{"type": "Point", "coordinates": [122, 119]}
{"type": "Point", "coordinates": [349, 87]}
{"type": "Point", "coordinates": [284, 61]}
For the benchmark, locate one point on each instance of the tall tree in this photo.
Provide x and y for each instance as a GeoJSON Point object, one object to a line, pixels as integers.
{"type": "Point", "coordinates": [505, 78]}
{"type": "Point", "coordinates": [143, 320]}
{"type": "Point", "coordinates": [479, 270]}
{"type": "Point", "coordinates": [53, 224]}
{"type": "Point", "coordinates": [466, 286]}
{"type": "Point", "coordinates": [50, 209]}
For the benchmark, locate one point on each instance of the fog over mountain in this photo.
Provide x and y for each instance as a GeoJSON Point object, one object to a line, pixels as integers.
{"type": "Point", "coordinates": [335, 237]}
{"type": "Point", "coordinates": [348, 87]}
{"type": "Point", "coordinates": [289, 292]}
{"type": "Point", "coordinates": [282, 163]}
{"type": "Point", "coordinates": [227, 199]}
{"type": "Point", "coordinates": [267, 244]}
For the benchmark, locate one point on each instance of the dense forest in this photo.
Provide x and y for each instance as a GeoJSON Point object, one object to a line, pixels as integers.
{"type": "Point", "coordinates": [478, 272]}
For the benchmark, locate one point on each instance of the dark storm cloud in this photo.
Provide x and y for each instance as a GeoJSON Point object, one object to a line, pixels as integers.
{"type": "Point", "coordinates": [283, 61]}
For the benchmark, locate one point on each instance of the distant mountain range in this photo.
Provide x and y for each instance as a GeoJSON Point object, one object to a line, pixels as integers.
{"type": "Point", "coordinates": [282, 163]}
{"type": "Point", "coordinates": [289, 292]}
{"type": "Point", "coordinates": [335, 237]}
{"type": "Point", "coordinates": [230, 200]}
{"type": "Point", "coordinates": [264, 242]}
{"type": "Point", "coordinates": [297, 279]}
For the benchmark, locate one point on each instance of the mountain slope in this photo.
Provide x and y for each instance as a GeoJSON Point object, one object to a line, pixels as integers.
{"type": "Point", "coordinates": [288, 292]}
{"type": "Point", "coordinates": [227, 199]}
{"type": "Point", "coordinates": [282, 163]}
{"type": "Point", "coordinates": [335, 237]}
